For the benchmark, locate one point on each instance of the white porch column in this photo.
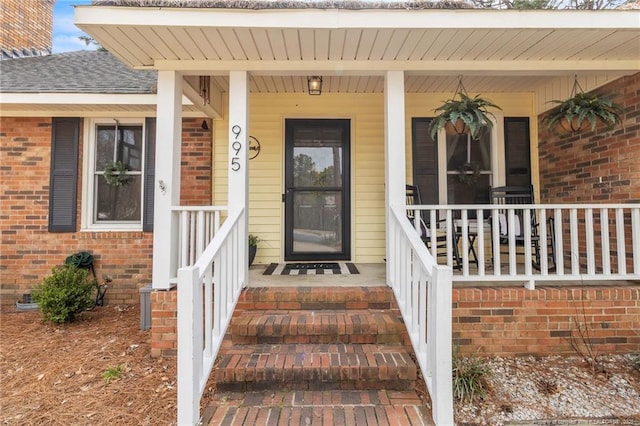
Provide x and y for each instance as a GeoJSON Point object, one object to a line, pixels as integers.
{"type": "Point", "coordinates": [394, 148]}
{"type": "Point", "coordinates": [167, 184]}
{"type": "Point", "coordinates": [238, 194]}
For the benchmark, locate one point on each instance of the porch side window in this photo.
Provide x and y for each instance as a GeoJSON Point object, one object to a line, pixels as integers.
{"type": "Point", "coordinates": [468, 168]}
{"type": "Point", "coordinates": [115, 197]}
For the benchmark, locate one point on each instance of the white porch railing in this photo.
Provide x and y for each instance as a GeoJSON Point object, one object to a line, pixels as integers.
{"type": "Point", "coordinates": [423, 292]}
{"type": "Point", "coordinates": [575, 241]}
{"type": "Point", "coordinates": [196, 227]}
{"type": "Point", "coordinates": [207, 295]}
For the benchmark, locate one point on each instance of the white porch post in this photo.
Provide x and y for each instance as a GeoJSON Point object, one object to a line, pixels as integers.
{"type": "Point", "coordinates": [167, 184]}
{"type": "Point", "coordinates": [394, 151]}
{"type": "Point", "coordinates": [238, 194]}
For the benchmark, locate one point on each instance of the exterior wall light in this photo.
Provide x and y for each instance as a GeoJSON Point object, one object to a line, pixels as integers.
{"type": "Point", "coordinates": [314, 84]}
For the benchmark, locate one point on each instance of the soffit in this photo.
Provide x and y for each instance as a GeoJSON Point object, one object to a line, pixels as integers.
{"type": "Point", "coordinates": [369, 42]}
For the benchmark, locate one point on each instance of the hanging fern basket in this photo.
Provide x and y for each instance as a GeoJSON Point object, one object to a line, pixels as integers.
{"type": "Point", "coordinates": [583, 111]}
{"type": "Point", "coordinates": [456, 128]}
{"type": "Point", "coordinates": [115, 173]}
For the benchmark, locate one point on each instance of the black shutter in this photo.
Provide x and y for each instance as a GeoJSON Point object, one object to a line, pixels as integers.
{"type": "Point", "coordinates": [63, 179]}
{"type": "Point", "coordinates": [517, 151]}
{"type": "Point", "coordinates": [149, 173]}
{"type": "Point", "coordinates": [425, 160]}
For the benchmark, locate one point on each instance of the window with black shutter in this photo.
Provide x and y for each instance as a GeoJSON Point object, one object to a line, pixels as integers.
{"type": "Point", "coordinates": [63, 181]}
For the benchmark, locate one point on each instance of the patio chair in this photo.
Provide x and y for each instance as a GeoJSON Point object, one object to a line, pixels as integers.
{"type": "Point", "coordinates": [507, 195]}
{"type": "Point", "coordinates": [413, 198]}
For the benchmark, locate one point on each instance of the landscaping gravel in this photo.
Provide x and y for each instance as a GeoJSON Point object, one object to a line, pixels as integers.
{"type": "Point", "coordinates": [557, 390]}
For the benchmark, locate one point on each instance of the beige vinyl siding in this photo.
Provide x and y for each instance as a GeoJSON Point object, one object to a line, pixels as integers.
{"type": "Point", "coordinates": [266, 172]}
{"type": "Point", "coordinates": [366, 112]}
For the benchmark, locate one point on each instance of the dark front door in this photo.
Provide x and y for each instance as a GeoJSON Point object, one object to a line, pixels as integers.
{"type": "Point", "coordinates": [316, 195]}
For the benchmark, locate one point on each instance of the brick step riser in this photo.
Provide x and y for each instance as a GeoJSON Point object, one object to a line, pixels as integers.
{"type": "Point", "coordinates": [316, 385]}
{"type": "Point", "coordinates": [316, 298]}
{"type": "Point", "coordinates": [318, 367]}
{"type": "Point", "coordinates": [238, 339]}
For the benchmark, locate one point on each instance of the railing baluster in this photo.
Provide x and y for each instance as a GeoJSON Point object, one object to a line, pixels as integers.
{"type": "Point", "coordinates": [557, 223]}
{"type": "Point", "coordinates": [591, 262]}
{"type": "Point", "coordinates": [480, 241]}
{"type": "Point", "coordinates": [526, 213]}
{"type": "Point", "coordinates": [544, 243]}
{"type": "Point", "coordinates": [621, 252]}
{"type": "Point", "coordinates": [575, 247]}
{"type": "Point", "coordinates": [465, 243]}
{"type": "Point", "coordinates": [635, 238]}
{"type": "Point", "coordinates": [511, 220]}
{"type": "Point", "coordinates": [604, 241]}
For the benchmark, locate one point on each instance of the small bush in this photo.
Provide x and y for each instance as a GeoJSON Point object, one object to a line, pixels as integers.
{"type": "Point", "coordinates": [469, 378]}
{"type": "Point", "coordinates": [65, 293]}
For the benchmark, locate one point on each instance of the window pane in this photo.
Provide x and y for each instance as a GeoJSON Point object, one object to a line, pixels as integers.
{"type": "Point", "coordinates": [129, 149]}
{"type": "Point", "coordinates": [118, 203]}
{"type": "Point", "coordinates": [462, 149]}
{"type": "Point", "coordinates": [468, 193]}
{"type": "Point", "coordinates": [105, 141]}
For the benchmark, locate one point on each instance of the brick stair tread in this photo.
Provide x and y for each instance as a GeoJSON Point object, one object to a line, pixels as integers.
{"type": "Point", "coordinates": [315, 366]}
{"type": "Point", "coordinates": [314, 323]}
{"type": "Point", "coordinates": [316, 298]}
{"type": "Point", "coordinates": [362, 408]}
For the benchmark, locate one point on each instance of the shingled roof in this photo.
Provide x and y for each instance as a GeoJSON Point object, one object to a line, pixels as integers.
{"type": "Point", "coordinates": [74, 72]}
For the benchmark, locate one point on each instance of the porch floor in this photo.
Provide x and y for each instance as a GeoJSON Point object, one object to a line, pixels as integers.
{"type": "Point", "coordinates": [374, 275]}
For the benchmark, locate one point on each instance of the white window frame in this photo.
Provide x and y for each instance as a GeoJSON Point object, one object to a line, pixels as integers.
{"type": "Point", "coordinates": [497, 157]}
{"type": "Point", "coordinates": [88, 174]}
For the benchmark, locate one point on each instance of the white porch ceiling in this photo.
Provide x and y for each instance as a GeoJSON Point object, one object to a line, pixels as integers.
{"type": "Point", "coordinates": [495, 50]}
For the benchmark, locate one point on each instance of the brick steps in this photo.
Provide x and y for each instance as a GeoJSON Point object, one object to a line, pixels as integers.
{"type": "Point", "coordinates": [316, 366]}
{"type": "Point", "coordinates": [326, 408]}
{"type": "Point", "coordinates": [324, 326]}
{"type": "Point", "coordinates": [315, 298]}
{"type": "Point", "coordinates": [317, 355]}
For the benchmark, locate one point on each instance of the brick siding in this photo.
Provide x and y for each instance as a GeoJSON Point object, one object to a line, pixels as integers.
{"type": "Point", "coordinates": [599, 166]}
{"type": "Point", "coordinates": [594, 167]}
{"type": "Point", "coordinates": [29, 251]}
{"type": "Point", "coordinates": [516, 321]}
{"type": "Point", "coordinates": [26, 24]}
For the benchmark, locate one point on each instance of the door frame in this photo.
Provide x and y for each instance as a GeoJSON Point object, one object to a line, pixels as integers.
{"type": "Point", "coordinates": [288, 253]}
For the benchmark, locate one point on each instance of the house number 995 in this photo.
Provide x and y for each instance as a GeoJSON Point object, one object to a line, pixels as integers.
{"type": "Point", "coordinates": [236, 146]}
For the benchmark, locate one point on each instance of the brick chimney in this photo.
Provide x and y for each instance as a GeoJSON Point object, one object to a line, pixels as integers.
{"type": "Point", "coordinates": [26, 28]}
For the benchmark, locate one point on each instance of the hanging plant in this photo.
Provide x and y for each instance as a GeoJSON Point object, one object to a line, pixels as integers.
{"type": "Point", "coordinates": [582, 111]}
{"type": "Point", "coordinates": [115, 173]}
{"type": "Point", "coordinates": [469, 173]}
{"type": "Point", "coordinates": [463, 115]}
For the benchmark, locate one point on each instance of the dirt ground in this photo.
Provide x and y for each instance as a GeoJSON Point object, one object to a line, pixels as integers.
{"type": "Point", "coordinates": [53, 374]}
{"type": "Point", "coordinates": [68, 375]}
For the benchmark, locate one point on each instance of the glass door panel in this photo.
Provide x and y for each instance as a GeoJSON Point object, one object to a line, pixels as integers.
{"type": "Point", "coordinates": [316, 194]}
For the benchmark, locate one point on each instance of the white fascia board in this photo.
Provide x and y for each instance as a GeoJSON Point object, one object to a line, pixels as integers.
{"type": "Point", "coordinates": [339, 68]}
{"type": "Point", "coordinates": [87, 16]}
{"type": "Point", "coordinates": [82, 98]}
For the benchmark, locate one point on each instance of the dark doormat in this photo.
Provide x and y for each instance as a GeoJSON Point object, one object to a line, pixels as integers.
{"type": "Point", "coordinates": [326, 268]}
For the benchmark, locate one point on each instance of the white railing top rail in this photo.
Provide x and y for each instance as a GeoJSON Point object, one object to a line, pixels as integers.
{"type": "Point", "coordinates": [199, 208]}
{"type": "Point", "coordinates": [423, 291]}
{"type": "Point", "coordinates": [417, 244]}
{"type": "Point", "coordinates": [206, 300]}
{"type": "Point", "coordinates": [521, 206]}
{"type": "Point", "coordinates": [212, 249]}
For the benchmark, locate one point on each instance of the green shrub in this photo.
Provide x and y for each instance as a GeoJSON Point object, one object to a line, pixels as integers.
{"type": "Point", "coordinates": [469, 378]}
{"type": "Point", "coordinates": [65, 293]}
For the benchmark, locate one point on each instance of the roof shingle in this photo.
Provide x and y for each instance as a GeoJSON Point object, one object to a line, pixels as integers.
{"type": "Point", "coordinates": [83, 71]}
